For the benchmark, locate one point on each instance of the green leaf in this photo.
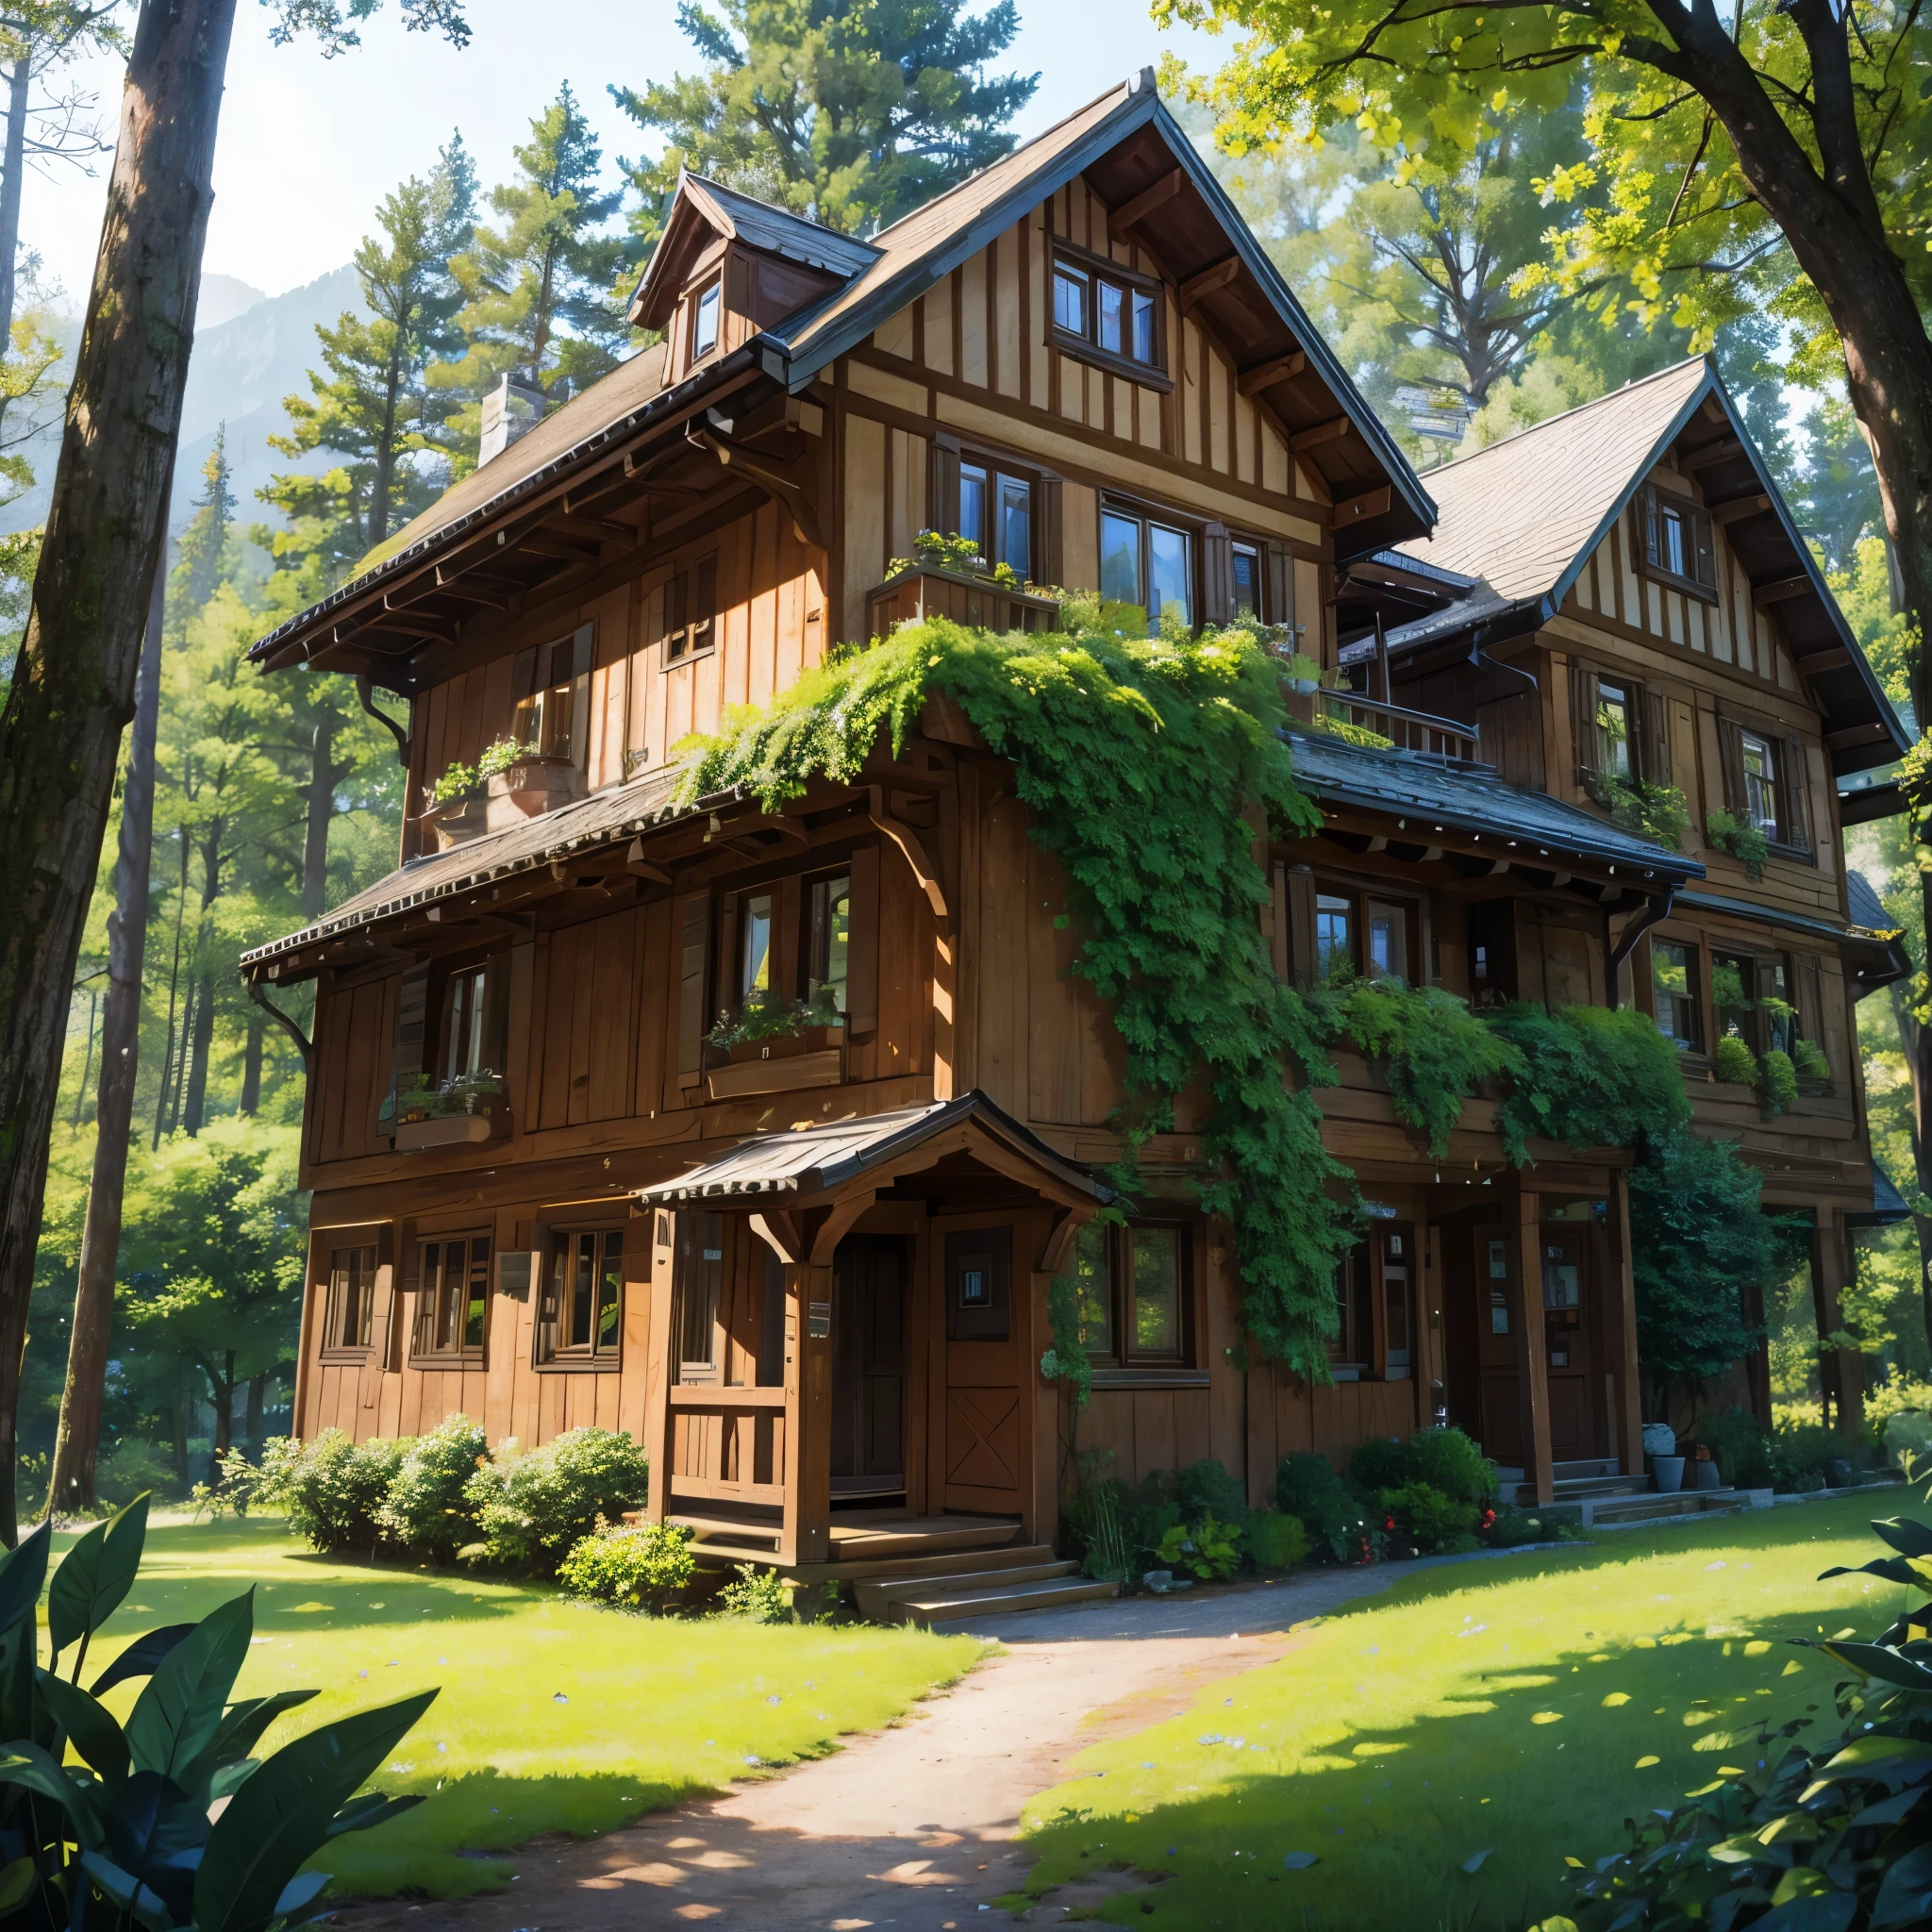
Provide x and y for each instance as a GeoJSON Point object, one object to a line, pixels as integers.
{"type": "Point", "coordinates": [143, 1657]}
{"type": "Point", "coordinates": [278, 1821]}
{"type": "Point", "coordinates": [1908, 1537]}
{"type": "Point", "coordinates": [1877, 1660]}
{"type": "Point", "coordinates": [23, 1762]}
{"type": "Point", "coordinates": [90, 1727]}
{"type": "Point", "coordinates": [127, 1892]}
{"type": "Point", "coordinates": [180, 1711]}
{"type": "Point", "coordinates": [96, 1576]}
{"type": "Point", "coordinates": [367, 1813]}
{"type": "Point", "coordinates": [22, 1572]}
{"type": "Point", "coordinates": [1893, 1570]}
{"type": "Point", "coordinates": [1891, 1760]}
{"type": "Point", "coordinates": [16, 1881]}
{"type": "Point", "coordinates": [239, 1730]}
{"type": "Point", "coordinates": [1906, 1897]}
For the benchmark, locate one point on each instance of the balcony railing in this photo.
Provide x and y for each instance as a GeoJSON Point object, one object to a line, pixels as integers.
{"type": "Point", "coordinates": [727, 1446]}
{"type": "Point", "coordinates": [979, 602]}
{"type": "Point", "coordinates": [1406, 730]}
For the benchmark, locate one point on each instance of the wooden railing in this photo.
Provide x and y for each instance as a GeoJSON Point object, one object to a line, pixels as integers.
{"type": "Point", "coordinates": [1406, 729]}
{"type": "Point", "coordinates": [728, 1445]}
{"type": "Point", "coordinates": [926, 591]}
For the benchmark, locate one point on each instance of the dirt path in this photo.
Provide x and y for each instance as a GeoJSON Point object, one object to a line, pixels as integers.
{"type": "Point", "coordinates": [911, 1827]}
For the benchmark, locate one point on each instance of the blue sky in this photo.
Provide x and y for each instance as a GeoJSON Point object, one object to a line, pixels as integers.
{"type": "Point", "coordinates": [308, 147]}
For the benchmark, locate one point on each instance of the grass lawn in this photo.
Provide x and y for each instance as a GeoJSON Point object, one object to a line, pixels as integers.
{"type": "Point", "coordinates": [555, 1716]}
{"type": "Point", "coordinates": [1506, 1714]}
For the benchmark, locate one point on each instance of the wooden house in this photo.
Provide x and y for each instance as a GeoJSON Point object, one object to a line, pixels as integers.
{"type": "Point", "coordinates": [810, 1273]}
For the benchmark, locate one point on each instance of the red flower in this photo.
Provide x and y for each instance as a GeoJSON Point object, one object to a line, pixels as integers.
{"type": "Point", "coordinates": [1488, 1519]}
{"type": "Point", "coordinates": [1390, 1524]}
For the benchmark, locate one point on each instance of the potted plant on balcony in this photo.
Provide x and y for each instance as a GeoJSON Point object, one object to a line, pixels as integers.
{"type": "Point", "coordinates": [441, 1113]}
{"type": "Point", "coordinates": [768, 1028]}
{"type": "Point", "coordinates": [455, 806]}
{"type": "Point", "coordinates": [521, 783]}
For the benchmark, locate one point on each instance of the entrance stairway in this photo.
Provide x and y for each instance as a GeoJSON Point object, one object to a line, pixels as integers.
{"type": "Point", "coordinates": [927, 1570]}
{"type": "Point", "coordinates": [1596, 1493]}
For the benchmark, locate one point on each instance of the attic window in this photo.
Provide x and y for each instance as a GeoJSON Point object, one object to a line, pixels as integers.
{"type": "Point", "coordinates": [1673, 539]}
{"type": "Point", "coordinates": [704, 325]}
{"type": "Point", "coordinates": [1104, 313]}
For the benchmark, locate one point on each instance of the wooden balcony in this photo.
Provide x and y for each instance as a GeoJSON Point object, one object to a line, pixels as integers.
{"type": "Point", "coordinates": [1406, 730]}
{"type": "Point", "coordinates": [925, 590]}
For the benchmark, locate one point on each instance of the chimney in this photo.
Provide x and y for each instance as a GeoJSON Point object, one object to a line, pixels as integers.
{"type": "Point", "coordinates": [509, 411]}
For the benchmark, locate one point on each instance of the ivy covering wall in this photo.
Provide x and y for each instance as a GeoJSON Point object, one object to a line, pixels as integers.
{"type": "Point", "coordinates": [1142, 762]}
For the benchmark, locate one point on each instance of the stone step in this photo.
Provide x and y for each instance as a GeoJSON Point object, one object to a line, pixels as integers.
{"type": "Point", "coordinates": [1573, 1489]}
{"type": "Point", "coordinates": [878, 1597]}
{"type": "Point", "coordinates": [1656, 1508]}
{"type": "Point", "coordinates": [851, 1545]}
{"type": "Point", "coordinates": [998, 1600]}
{"type": "Point", "coordinates": [909, 1569]}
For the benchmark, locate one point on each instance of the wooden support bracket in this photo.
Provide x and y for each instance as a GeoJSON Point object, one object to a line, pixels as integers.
{"type": "Point", "coordinates": [1317, 433]}
{"type": "Point", "coordinates": [913, 850]}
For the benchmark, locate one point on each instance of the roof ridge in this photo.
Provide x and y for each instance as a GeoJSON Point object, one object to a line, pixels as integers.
{"type": "Point", "coordinates": [1563, 415]}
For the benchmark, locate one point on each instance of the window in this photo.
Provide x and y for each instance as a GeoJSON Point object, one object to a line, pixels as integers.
{"type": "Point", "coordinates": [1146, 562]}
{"type": "Point", "coordinates": [1397, 1304]}
{"type": "Point", "coordinates": [1247, 580]}
{"type": "Point", "coordinates": [691, 608]}
{"type": "Point", "coordinates": [1674, 542]}
{"type": "Point", "coordinates": [1758, 761]}
{"type": "Point", "coordinates": [1352, 1345]}
{"type": "Point", "coordinates": [1361, 935]}
{"type": "Point", "coordinates": [581, 1316]}
{"type": "Point", "coordinates": [1378, 1270]}
{"type": "Point", "coordinates": [1131, 1283]}
{"type": "Point", "coordinates": [1106, 311]}
{"type": "Point", "coordinates": [544, 683]}
{"type": "Point", "coordinates": [1622, 734]}
{"type": "Point", "coordinates": [452, 1295]}
{"type": "Point", "coordinates": [1386, 929]}
{"type": "Point", "coordinates": [1334, 935]}
{"type": "Point", "coordinates": [699, 1284]}
{"type": "Point", "coordinates": [1674, 993]}
{"type": "Point", "coordinates": [703, 324]}
{"type": "Point", "coordinates": [1752, 994]}
{"type": "Point", "coordinates": [996, 514]}
{"type": "Point", "coordinates": [830, 961]}
{"type": "Point", "coordinates": [754, 944]}
{"type": "Point", "coordinates": [349, 1318]}
{"type": "Point", "coordinates": [464, 1037]}
{"type": "Point", "coordinates": [1613, 734]}
{"type": "Point", "coordinates": [1492, 953]}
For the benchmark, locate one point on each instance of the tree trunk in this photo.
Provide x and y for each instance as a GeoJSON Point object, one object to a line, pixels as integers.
{"type": "Point", "coordinates": [257, 1386]}
{"type": "Point", "coordinates": [225, 1407]}
{"type": "Point", "coordinates": [195, 1106]}
{"type": "Point", "coordinates": [19, 93]}
{"type": "Point", "coordinates": [183, 1402]}
{"type": "Point", "coordinates": [177, 1065]}
{"type": "Point", "coordinates": [76, 1443]}
{"type": "Point", "coordinates": [251, 1068]}
{"type": "Point", "coordinates": [86, 1065]}
{"type": "Point", "coordinates": [72, 689]}
{"type": "Point", "coordinates": [322, 807]}
{"type": "Point", "coordinates": [173, 989]}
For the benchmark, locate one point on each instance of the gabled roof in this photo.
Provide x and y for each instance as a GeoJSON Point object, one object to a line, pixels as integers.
{"type": "Point", "coordinates": [700, 206]}
{"type": "Point", "coordinates": [818, 1161]}
{"type": "Point", "coordinates": [1525, 516]}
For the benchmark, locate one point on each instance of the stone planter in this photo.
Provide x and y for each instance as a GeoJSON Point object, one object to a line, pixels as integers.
{"type": "Point", "coordinates": [457, 821]}
{"type": "Point", "coordinates": [1668, 1471]}
{"type": "Point", "coordinates": [528, 789]}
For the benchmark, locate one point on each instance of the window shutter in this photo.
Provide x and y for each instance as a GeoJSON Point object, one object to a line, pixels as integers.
{"type": "Point", "coordinates": [694, 931]}
{"type": "Point", "coordinates": [1704, 564]}
{"type": "Point", "coordinates": [1049, 531]}
{"type": "Point", "coordinates": [1583, 703]}
{"type": "Point", "coordinates": [408, 1053]}
{"type": "Point", "coordinates": [524, 674]}
{"type": "Point", "coordinates": [862, 961]}
{"type": "Point", "coordinates": [1280, 589]}
{"type": "Point", "coordinates": [1731, 757]}
{"type": "Point", "coordinates": [945, 485]}
{"type": "Point", "coordinates": [1217, 574]}
{"type": "Point", "coordinates": [1300, 883]}
{"type": "Point", "coordinates": [1654, 758]}
{"type": "Point", "coordinates": [1646, 525]}
{"type": "Point", "coordinates": [1808, 995]}
{"type": "Point", "coordinates": [1793, 820]}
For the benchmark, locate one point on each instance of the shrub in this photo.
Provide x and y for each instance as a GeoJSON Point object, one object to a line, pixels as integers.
{"type": "Point", "coordinates": [1798, 1453]}
{"type": "Point", "coordinates": [1339, 1528]}
{"type": "Point", "coordinates": [1097, 1524]}
{"type": "Point", "coordinates": [1777, 1081]}
{"type": "Point", "coordinates": [1734, 1061]}
{"type": "Point", "coordinates": [1207, 1550]}
{"type": "Point", "coordinates": [532, 1505]}
{"type": "Point", "coordinates": [1507, 1527]}
{"type": "Point", "coordinates": [1741, 839]}
{"type": "Point", "coordinates": [1450, 1462]}
{"type": "Point", "coordinates": [641, 1564]}
{"type": "Point", "coordinates": [1275, 1540]}
{"type": "Point", "coordinates": [1738, 1441]}
{"type": "Point", "coordinates": [427, 1509]}
{"type": "Point", "coordinates": [1807, 1057]}
{"type": "Point", "coordinates": [130, 1468]}
{"type": "Point", "coordinates": [1382, 1462]}
{"type": "Point", "coordinates": [1431, 1521]}
{"type": "Point", "coordinates": [1203, 1488]}
{"type": "Point", "coordinates": [758, 1596]}
{"type": "Point", "coordinates": [331, 1488]}
{"type": "Point", "coordinates": [1907, 1436]}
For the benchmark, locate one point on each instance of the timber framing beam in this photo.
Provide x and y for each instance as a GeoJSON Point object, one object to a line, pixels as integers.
{"type": "Point", "coordinates": [1318, 433]}
{"type": "Point", "coordinates": [1205, 282]}
{"type": "Point", "coordinates": [1157, 195]}
{"type": "Point", "coordinates": [1781, 591]}
{"type": "Point", "coordinates": [1250, 382]}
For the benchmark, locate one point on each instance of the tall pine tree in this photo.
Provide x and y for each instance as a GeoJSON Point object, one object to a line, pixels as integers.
{"type": "Point", "coordinates": [851, 112]}
{"type": "Point", "coordinates": [540, 304]}
{"type": "Point", "coordinates": [374, 406]}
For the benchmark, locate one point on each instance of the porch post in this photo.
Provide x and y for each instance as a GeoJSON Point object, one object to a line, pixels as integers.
{"type": "Point", "coordinates": [1627, 1394]}
{"type": "Point", "coordinates": [1841, 1374]}
{"type": "Point", "coordinates": [660, 1365]}
{"type": "Point", "coordinates": [1531, 1354]}
{"type": "Point", "coordinates": [806, 1536]}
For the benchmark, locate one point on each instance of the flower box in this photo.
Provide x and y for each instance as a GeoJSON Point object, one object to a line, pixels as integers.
{"type": "Point", "coordinates": [444, 1130]}
{"type": "Point", "coordinates": [528, 789]}
{"type": "Point", "coordinates": [778, 1066]}
{"type": "Point", "coordinates": [457, 821]}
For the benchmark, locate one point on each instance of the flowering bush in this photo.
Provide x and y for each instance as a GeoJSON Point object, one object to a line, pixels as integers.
{"type": "Point", "coordinates": [641, 1564]}
{"type": "Point", "coordinates": [533, 1505]}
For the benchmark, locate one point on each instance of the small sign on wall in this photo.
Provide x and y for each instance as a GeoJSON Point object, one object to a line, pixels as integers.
{"type": "Point", "coordinates": [818, 1320]}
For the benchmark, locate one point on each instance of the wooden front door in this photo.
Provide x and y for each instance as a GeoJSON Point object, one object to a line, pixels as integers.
{"type": "Point", "coordinates": [868, 1366]}
{"type": "Point", "coordinates": [1569, 1322]}
{"type": "Point", "coordinates": [978, 1436]}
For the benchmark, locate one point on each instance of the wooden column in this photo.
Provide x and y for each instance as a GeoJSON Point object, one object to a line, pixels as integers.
{"type": "Point", "coordinates": [1841, 1372]}
{"type": "Point", "coordinates": [1626, 1371]}
{"type": "Point", "coordinates": [660, 1362]}
{"type": "Point", "coordinates": [313, 1293]}
{"type": "Point", "coordinates": [1534, 1389]}
{"type": "Point", "coordinates": [806, 1534]}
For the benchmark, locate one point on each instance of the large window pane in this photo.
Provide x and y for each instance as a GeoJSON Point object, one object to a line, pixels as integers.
{"type": "Point", "coordinates": [610, 1292]}
{"type": "Point", "coordinates": [1333, 934]}
{"type": "Point", "coordinates": [831, 934]}
{"type": "Point", "coordinates": [476, 1292]}
{"type": "Point", "coordinates": [1614, 730]}
{"type": "Point", "coordinates": [1674, 993]}
{"type": "Point", "coordinates": [1015, 545]}
{"type": "Point", "coordinates": [1120, 559]}
{"type": "Point", "coordinates": [1247, 582]}
{"type": "Point", "coordinates": [1168, 576]}
{"type": "Point", "coordinates": [1093, 1287]}
{"type": "Point", "coordinates": [700, 1277]}
{"type": "Point", "coordinates": [1760, 782]}
{"type": "Point", "coordinates": [756, 949]}
{"type": "Point", "coordinates": [973, 503]}
{"type": "Point", "coordinates": [1144, 328]}
{"type": "Point", "coordinates": [1156, 1314]}
{"type": "Point", "coordinates": [1070, 301]}
{"type": "Point", "coordinates": [1388, 937]}
{"type": "Point", "coordinates": [1109, 304]}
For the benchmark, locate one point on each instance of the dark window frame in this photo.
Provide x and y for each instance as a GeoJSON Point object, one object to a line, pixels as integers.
{"type": "Point", "coordinates": [340, 1297]}
{"type": "Point", "coordinates": [440, 1310]}
{"type": "Point", "coordinates": [1653, 508]}
{"type": "Point", "coordinates": [713, 285]}
{"type": "Point", "coordinates": [1113, 1242]}
{"type": "Point", "coordinates": [1790, 782]}
{"type": "Point", "coordinates": [1364, 1347]}
{"type": "Point", "coordinates": [1697, 983]}
{"type": "Point", "coordinates": [690, 612]}
{"type": "Point", "coordinates": [1362, 895]}
{"type": "Point", "coordinates": [1085, 347]}
{"type": "Point", "coordinates": [1152, 517]}
{"type": "Point", "coordinates": [555, 1299]}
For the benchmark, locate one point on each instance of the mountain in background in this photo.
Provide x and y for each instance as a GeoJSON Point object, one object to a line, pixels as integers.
{"type": "Point", "coordinates": [259, 350]}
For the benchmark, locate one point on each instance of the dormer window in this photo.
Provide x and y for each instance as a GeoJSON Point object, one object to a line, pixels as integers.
{"type": "Point", "coordinates": [1104, 313]}
{"type": "Point", "coordinates": [704, 324]}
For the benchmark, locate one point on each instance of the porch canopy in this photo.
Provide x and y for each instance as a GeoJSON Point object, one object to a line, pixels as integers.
{"type": "Point", "coordinates": [747, 1358]}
